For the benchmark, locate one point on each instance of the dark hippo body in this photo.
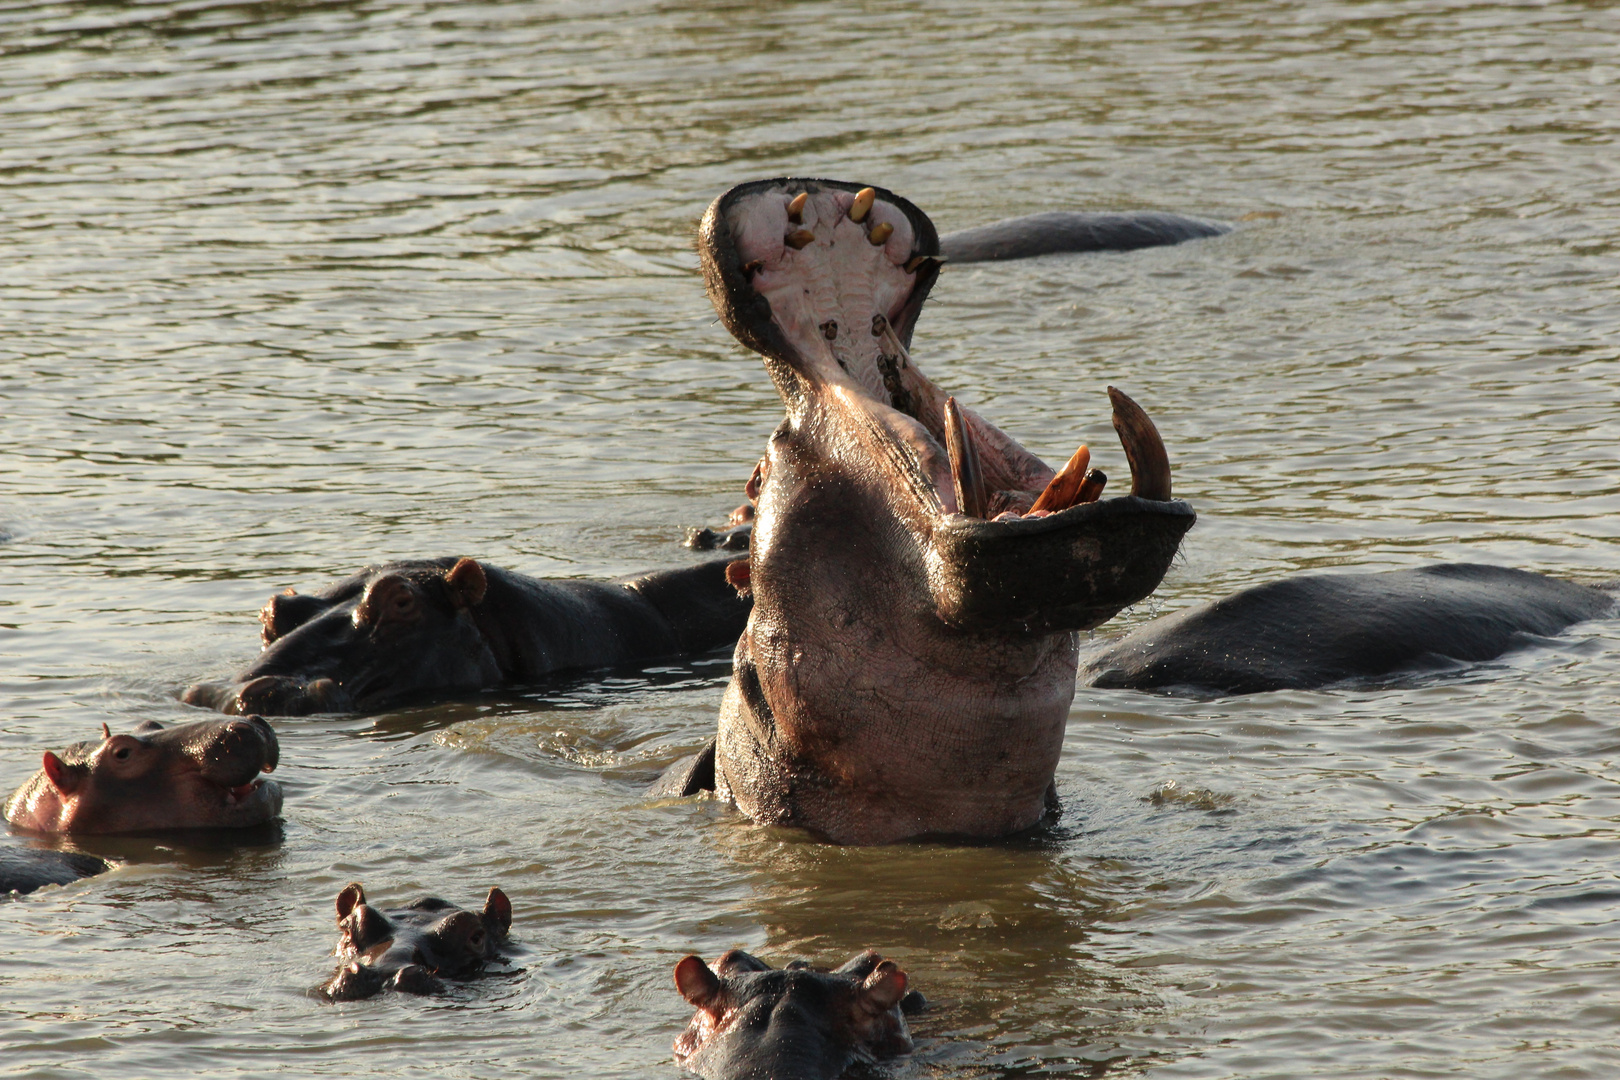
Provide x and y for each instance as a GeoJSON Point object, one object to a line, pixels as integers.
{"type": "Point", "coordinates": [917, 575]}
{"type": "Point", "coordinates": [412, 948]}
{"type": "Point", "coordinates": [1316, 630]}
{"type": "Point", "coordinates": [792, 1023]}
{"type": "Point", "coordinates": [22, 870]}
{"type": "Point", "coordinates": [1061, 232]}
{"type": "Point", "coordinates": [403, 631]}
{"type": "Point", "coordinates": [203, 775]}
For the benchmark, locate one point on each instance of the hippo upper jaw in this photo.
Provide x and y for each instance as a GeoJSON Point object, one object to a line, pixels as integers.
{"type": "Point", "coordinates": [916, 573]}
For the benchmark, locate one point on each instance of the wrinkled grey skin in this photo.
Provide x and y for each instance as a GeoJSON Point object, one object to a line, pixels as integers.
{"type": "Point", "coordinates": [1315, 630]}
{"type": "Point", "coordinates": [792, 1023]}
{"type": "Point", "coordinates": [405, 631]}
{"type": "Point", "coordinates": [202, 775]}
{"type": "Point", "coordinates": [907, 669]}
{"type": "Point", "coordinates": [22, 870]}
{"type": "Point", "coordinates": [411, 949]}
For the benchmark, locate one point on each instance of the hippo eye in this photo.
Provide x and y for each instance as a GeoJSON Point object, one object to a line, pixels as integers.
{"type": "Point", "coordinates": [122, 753]}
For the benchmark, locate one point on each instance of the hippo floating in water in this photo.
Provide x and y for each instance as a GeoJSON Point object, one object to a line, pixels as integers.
{"type": "Point", "coordinates": [411, 948]}
{"type": "Point", "coordinates": [791, 1023]}
{"type": "Point", "coordinates": [1314, 630]}
{"type": "Point", "coordinates": [917, 575]}
{"type": "Point", "coordinates": [202, 775]}
{"type": "Point", "coordinates": [403, 631]}
{"type": "Point", "coordinates": [1063, 232]}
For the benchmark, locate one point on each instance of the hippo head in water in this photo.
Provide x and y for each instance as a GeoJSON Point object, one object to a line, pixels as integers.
{"type": "Point", "coordinates": [791, 1023]}
{"type": "Point", "coordinates": [376, 637]}
{"type": "Point", "coordinates": [917, 575]}
{"type": "Point", "coordinates": [202, 775]}
{"type": "Point", "coordinates": [409, 948]}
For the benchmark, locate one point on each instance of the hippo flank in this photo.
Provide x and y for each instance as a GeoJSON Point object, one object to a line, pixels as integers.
{"type": "Point", "coordinates": [792, 1023]}
{"type": "Point", "coordinates": [411, 948]}
{"type": "Point", "coordinates": [917, 575]}
{"type": "Point", "coordinates": [403, 631]}
{"type": "Point", "coordinates": [1315, 630]}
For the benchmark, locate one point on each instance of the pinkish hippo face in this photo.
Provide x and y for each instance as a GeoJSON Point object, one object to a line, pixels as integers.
{"type": "Point", "coordinates": [203, 775]}
{"type": "Point", "coordinates": [917, 575]}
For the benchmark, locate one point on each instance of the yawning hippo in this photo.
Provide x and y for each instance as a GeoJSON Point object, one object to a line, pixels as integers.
{"type": "Point", "coordinates": [1314, 630]}
{"type": "Point", "coordinates": [409, 948]}
{"type": "Point", "coordinates": [917, 575]}
{"type": "Point", "coordinates": [792, 1023]}
{"type": "Point", "coordinates": [202, 775]}
{"type": "Point", "coordinates": [404, 630]}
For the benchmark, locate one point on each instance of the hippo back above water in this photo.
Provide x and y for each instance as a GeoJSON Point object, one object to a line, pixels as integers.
{"type": "Point", "coordinates": [402, 631]}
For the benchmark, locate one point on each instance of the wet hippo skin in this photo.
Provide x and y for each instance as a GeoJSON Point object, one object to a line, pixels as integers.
{"type": "Point", "coordinates": [791, 1023]}
{"type": "Point", "coordinates": [202, 775]}
{"type": "Point", "coordinates": [1315, 630]}
{"type": "Point", "coordinates": [917, 575]}
{"type": "Point", "coordinates": [1062, 232]}
{"type": "Point", "coordinates": [404, 631]}
{"type": "Point", "coordinates": [412, 948]}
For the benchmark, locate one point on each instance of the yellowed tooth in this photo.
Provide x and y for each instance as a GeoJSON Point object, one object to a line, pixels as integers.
{"type": "Point", "coordinates": [880, 233]}
{"type": "Point", "coordinates": [863, 203]}
{"type": "Point", "coordinates": [798, 238]}
{"type": "Point", "coordinates": [796, 207]}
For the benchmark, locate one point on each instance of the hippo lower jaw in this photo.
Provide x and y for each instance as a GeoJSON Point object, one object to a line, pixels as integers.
{"type": "Point", "coordinates": [916, 573]}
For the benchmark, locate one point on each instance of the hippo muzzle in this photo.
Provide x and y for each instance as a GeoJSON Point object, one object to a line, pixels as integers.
{"type": "Point", "coordinates": [917, 575]}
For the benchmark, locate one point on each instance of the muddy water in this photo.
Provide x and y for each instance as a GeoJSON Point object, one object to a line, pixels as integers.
{"type": "Point", "coordinates": [288, 287]}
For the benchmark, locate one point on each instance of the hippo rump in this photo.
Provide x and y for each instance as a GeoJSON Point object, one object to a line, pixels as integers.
{"type": "Point", "coordinates": [404, 631]}
{"type": "Point", "coordinates": [202, 775]}
{"type": "Point", "coordinates": [412, 948]}
{"type": "Point", "coordinates": [791, 1023]}
{"type": "Point", "coordinates": [1315, 630]}
{"type": "Point", "coordinates": [918, 577]}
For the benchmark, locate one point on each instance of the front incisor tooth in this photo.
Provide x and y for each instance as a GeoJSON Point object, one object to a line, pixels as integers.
{"type": "Point", "coordinates": [796, 207]}
{"type": "Point", "coordinates": [880, 233]}
{"type": "Point", "coordinates": [798, 238]}
{"type": "Point", "coordinates": [862, 205]}
{"type": "Point", "coordinates": [1064, 489]}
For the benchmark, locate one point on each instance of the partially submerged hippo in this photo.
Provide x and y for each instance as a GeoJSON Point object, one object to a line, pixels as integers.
{"type": "Point", "coordinates": [917, 575]}
{"type": "Point", "coordinates": [402, 631]}
{"type": "Point", "coordinates": [202, 775]}
{"type": "Point", "coordinates": [1061, 232]}
{"type": "Point", "coordinates": [1314, 630]}
{"type": "Point", "coordinates": [412, 948]}
{"type": "Point", "coordinates": [791, 1023]}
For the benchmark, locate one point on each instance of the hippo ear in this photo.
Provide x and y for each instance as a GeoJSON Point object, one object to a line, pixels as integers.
{"type": "Point", "coordinates": [739, 575]}
{"type": "Point", "coordinates": [350, 898]}
{"type": "Point", "coordinates": [884, 988]}
{"type": "Point", "coordinates": [467, 583]}
{"type": "Point", "coordinates": [697, 984]}
{"type": "Point", "coordinates": [63, 777]}
{"type": "Point", "coordinates": [498, 911]}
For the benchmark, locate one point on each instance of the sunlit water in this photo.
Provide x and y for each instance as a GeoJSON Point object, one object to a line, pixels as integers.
{"type": "Point", "coordinates": [290, 287]}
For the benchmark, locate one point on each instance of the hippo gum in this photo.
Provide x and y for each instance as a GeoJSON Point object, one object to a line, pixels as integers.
{"type": "Point", "coordinates": [917, 575]}
{"type": "Point", "coordinates": [792, 1023]}
{"type": "Point", "coordinates": [411, 948]}
{"type": "Point", "coordinates": [403, 631]}
{"type": "Point", "coordinates": [201, 775]}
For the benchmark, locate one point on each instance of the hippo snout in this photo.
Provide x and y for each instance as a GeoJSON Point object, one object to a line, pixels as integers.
{"type": "Point", "coordinates": [272, 695]}
{"type": "Point", "coordinates": [236, 751]}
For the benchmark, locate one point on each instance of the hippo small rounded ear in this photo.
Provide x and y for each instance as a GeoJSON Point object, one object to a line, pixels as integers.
{"type": "Point", "coordinates": [697, 984]}
{"type": "Point", "coordinates": [739, 575]}
{"type": "Point", "coordinates": [350, 898]}
{"type": "Point", "coordinates": [467, 583]}
{"type": "Point", "coordinates": [63, 777]}
{"type": "Point", "coordinates": [884, 988]}
{"type": "Point", "coordinates": [498, 910]}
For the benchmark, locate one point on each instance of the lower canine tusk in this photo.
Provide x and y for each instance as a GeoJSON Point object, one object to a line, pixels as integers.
{"type": "Point", "coordinates": [971, 497]}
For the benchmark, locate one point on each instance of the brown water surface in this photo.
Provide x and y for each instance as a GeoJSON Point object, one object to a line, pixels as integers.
{"type": "Point", "coordinates": [290, 287]}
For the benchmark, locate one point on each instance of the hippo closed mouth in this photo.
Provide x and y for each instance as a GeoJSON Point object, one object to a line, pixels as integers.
{"type": "Point", "coordinates": [202, 775]}
{"type": "Point", "coordinates": [917, 575]}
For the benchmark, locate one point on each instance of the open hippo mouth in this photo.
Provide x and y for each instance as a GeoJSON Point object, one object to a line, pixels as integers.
{"type": "Point", "coordinates": [916, 573]}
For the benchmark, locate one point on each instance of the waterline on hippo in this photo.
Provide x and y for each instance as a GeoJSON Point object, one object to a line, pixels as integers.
{"type": "Point", "coordinates": [918, 577]}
